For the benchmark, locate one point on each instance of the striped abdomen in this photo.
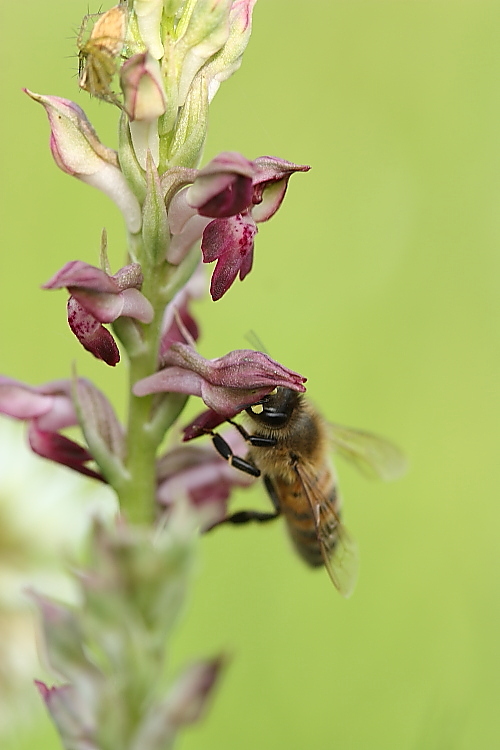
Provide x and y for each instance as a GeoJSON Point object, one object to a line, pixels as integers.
{"type": "Point", "coordinates": [311, 514]}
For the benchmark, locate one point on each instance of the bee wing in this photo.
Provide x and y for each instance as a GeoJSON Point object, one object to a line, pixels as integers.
{"type": "Point", "coordinates": [373, 455]}
{"type": "Point", "coordinates": [341, 562]}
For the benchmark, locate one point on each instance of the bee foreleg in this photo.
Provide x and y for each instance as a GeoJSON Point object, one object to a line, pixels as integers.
{"type": "Point", "coordinates": [246, 516]}
{"type": "Point", "coordinates": [255, 440]}
{"type": "Point", "coordinates": [224, 449]}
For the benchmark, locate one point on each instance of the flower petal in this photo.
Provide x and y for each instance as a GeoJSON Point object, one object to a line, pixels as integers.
{"type": "Point", "coordinates": [62, 450]}
{"type": "Point", "coordinates": [78, 151]}
{"type": "Point", "coordinates": [91, 334]}
{"type": "Point", "coordinates": [223, 187]}
{"type": "Point", "coordinates": [227, 385]}
{"type": "Point", "coordinates": [230, 242]}
{"type": "Point", "coordinates": [204, 423]}
{"type": "Point", "coordinates": [270, 184]}
{"type": "Point", "coordinates": [50, 404]}
{"type": "Point", "coordinates": [202, 475]}
{"type": "Point", "coordinates": [81, 275]}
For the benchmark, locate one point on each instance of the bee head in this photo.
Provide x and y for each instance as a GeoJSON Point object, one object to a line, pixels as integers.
{"type": "Point", "coordinates": [275, 409]}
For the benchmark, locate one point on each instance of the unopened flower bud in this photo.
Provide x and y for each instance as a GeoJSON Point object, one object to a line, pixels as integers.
{"type": "Point", "coordinates": [78, 151]}
{"type": "Point", "coordinates": [142, 85]}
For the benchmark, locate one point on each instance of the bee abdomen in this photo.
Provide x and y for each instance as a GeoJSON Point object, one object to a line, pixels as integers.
{"type": "Point", "coordinates": [305, 539]}
{"type": "Point", "coordinates": [313, 544]}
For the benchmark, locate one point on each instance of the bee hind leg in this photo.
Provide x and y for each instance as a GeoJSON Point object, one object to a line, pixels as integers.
{"type": "Point", "coordinates": [246, 516]}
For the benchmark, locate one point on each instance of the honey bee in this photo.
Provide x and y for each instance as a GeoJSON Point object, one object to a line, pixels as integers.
{"type": "Point", "coordinates": [97, 56]}
{"type": "Point", "coordinates": [290, 448]}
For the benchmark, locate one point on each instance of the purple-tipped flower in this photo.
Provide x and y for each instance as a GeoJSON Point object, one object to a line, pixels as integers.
{"type": "Point", "coordinates": [99, 298]}
{"type": "Point", "coordinates": [47, 409]}
{"type": "Point", "coordinates": [78, 151]}
{"type": "Point", "coordinates": [227, 385]}
{"type": "Point", "coordinates": [144, 102]}
{"type": "Point", "coordinates": [237, 194]}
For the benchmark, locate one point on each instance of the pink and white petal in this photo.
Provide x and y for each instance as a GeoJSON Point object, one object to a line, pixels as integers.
{"type": "Point", "coordinates": [111, 181]}
{"type": "Point", "coordinates": [22, 401]}
{"type": "Point", "coordinates": [180, 212]}
{"type": "Point", "coordinates": [50, 403]}
{"type": "Point", "coordinates": [62, 414]}
{"type": "Point", "coordinates": [136, 305]}
{"type": "Point", "coordinates": [105, 308]}
{"type": "Point", "coordinates": [171, 379]}
{"type": "Point", "coordinates": [182, 243]}
{"type": "Point", "coordinates": [270, 199]}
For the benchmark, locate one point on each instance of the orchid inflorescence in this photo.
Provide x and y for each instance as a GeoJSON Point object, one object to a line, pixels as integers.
{"type": "Point", "coordinates": [159, 62]}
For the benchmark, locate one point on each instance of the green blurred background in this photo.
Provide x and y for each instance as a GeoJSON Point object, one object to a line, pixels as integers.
{"type": "Point", "coordinates": [379, 279]}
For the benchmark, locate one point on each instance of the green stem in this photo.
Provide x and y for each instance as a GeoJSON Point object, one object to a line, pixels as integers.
{"type": "Point", "coordinates": [137, 496]}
